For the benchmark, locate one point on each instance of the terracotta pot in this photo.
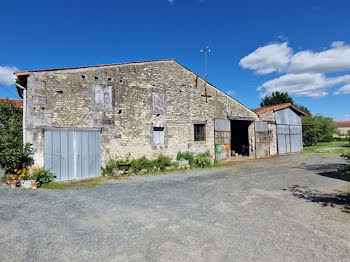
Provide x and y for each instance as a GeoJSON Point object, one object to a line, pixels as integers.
{"type": "Point", "coordinates": [35, 185]}
{"type": "Point", "coordinates": [13, 183]}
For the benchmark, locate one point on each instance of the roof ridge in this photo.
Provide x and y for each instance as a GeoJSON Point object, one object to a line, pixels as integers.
{"type": "Point", "coordinates": [26, 72]}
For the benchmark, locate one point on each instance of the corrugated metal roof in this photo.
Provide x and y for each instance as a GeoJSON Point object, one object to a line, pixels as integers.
{"type": "Point", "coordinates": [265, 109]}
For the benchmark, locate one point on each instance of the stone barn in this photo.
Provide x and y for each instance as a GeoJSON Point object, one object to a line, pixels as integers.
{"type": "Point", "coordinates": [77, 118]}
{"type": "Point", "coordinates": [284, 129]}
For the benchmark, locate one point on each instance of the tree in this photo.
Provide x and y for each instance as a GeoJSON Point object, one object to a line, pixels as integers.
{"type": "Point", "coordinates": [12, 154]}
{"type": "Point", "coordinates": [276, 98]}
{"type": "Point", "coordinates": [317, 128]}
{"type": "Point", "coordinates": [303, 108]}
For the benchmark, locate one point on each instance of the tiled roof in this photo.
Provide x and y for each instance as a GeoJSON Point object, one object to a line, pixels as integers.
{"type": "Point", "coordinates": [16, 102]}
{"type": "Point", "coordinates": [342, 123]}
{"type": "Point", "coordinates": [265, 109]}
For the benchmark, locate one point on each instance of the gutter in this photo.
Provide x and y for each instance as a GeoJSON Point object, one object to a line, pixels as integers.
{"type": "Point", "coordinates": [24, 136]}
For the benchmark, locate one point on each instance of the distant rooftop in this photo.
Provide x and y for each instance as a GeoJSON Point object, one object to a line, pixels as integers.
{"type": "Point", "coordinates": [15, 102]}
{"type": "Point", "coordinates": [342, 124]}
{"type": "Point", "coordinates": [265, 109]}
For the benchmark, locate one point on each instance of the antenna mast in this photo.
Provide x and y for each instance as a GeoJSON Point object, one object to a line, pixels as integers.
{"type": "Point", "coordinates": [206, 50]}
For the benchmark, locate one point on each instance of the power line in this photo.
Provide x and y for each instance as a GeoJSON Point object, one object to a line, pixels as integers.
{"type": "Point", "coordinates": [8, 90]}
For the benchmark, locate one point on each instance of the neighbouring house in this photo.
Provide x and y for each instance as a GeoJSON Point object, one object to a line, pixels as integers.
{"type": "Point", "coordinates": [283, 122]}
{"type": "Point", "coordinates": [15, 102]}
{"type": "Point", "coordinates": [77, 118]}
{"type": "Point", "coordinates": [343, 127]}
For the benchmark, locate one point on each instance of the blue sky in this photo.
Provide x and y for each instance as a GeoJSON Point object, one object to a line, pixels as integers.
{"type": "Point", "coordinates": [302, 47]}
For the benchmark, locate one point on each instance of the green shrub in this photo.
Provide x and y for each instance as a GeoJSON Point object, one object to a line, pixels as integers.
{"type": "Point", "coordinates": [185, 156]}
{"type": "Point", "coordinates": [142, 163]}
{"type": "Point", "coordinates": [110, 165]}
{"type": "Point", "coordinates": [44, 176]}
{"type": "Point", "coordinates": [203, 160]}
{"type": "Point", "coordinates": [12, 154]}
{"type": "Point", "coordinates": [113, 163]}
{"type": "Point", "coordinates": [161, 162]}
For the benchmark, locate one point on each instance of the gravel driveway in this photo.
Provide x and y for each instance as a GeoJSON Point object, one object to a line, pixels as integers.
{"type": "Point", "coordinates": [287, 208]}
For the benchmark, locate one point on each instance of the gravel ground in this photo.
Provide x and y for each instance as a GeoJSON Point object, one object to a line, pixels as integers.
{"type": "Point", "coordinates": [287, 208]}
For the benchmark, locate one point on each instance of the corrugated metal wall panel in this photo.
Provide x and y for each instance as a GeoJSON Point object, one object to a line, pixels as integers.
{"type": "Point", "coordinates": [287, 117]}
{"type": "Point", "coordinates": [66, 152]}
{"type": "Point", "coordinates": [222, 125]}
{"type": "Point", "coordinates": [261, 126]}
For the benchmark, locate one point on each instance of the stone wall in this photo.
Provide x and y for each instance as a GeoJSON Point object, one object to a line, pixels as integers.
{"type": "Point", "coordinates": [126, 102]}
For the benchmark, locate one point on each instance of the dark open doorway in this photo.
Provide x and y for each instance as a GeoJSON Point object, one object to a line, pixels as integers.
{"type": "Point", "coordinates": [240, 137]}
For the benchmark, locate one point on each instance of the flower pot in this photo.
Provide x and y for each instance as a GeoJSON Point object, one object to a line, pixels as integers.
{"type": "Point", "coordinates": [8, 178]}
{"type": "Point", "coordinates": [13, 183]}
{"type": "Point", "coordinates": [35, 185]}
{"type": "Point", "coordinates": [124, 167]}
{"type": "Point", "coordinates": [27, 183]}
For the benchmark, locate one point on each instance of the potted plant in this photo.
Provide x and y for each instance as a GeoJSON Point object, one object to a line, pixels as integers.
{"type": "Point", "coordinates": [13, 181]}
{"type": "Point", "coordinates": [26, 176]}
{"type": "Point", "coordinates": [124, 163]}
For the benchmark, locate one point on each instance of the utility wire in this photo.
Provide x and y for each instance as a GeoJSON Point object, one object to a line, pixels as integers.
{"type": "Point", "coordinates": [8, 90]}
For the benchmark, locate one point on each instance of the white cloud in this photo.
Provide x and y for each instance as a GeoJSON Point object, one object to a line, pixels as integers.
{"type": "Point", "coordinates": [347, 117]}
{"type": "Point", "coordinates": [6, 75]}
{"type": "Point", "coordinates": [171, 1]}
{"type": "Point", "coordinates": [304, 71]}
{"type": "Point", "coordinates": [268, 59]}
{"type": "Point", "coordinates": [335, 59]}
{"type": "Point", "coordinates": [344, 90]}
{"type": "Point", "coordinates": [306, 84]}
{"type": "Point", "coordinates": [231, 92]}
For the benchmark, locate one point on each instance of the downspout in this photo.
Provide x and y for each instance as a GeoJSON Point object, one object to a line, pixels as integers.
{"type": "Point", "coordinates": [24, 113]}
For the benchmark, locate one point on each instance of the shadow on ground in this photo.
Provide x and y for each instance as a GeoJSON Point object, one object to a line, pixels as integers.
{"type": "Point", "coordinates": [328, 170]}
{"type": "Point", "coordinates": [339, 199]}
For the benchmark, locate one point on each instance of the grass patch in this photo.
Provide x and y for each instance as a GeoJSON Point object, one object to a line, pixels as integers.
{"type": "Point", "coordinates": [70, 185]}
{"type": "Point", "coordinates": [334, 147]}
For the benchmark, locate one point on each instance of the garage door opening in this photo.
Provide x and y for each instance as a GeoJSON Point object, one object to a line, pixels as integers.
{"type": "Point", "coordinates": [240, 137]}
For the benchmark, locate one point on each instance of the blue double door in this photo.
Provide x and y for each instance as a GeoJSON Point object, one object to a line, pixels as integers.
{"type": "Point", "coordinates": [72, 154]}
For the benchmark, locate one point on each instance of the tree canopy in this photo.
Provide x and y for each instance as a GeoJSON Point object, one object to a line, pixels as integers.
{"type": "Point", "coordinates": [12, 154]}
{"type": "Point", "coordinates": [277, 98]}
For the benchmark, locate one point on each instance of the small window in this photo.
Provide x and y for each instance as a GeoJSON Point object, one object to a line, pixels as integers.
{"type": "Point", "coordinates": [158, 136]}
{"type": "Point", "coordinates": [199, 132]}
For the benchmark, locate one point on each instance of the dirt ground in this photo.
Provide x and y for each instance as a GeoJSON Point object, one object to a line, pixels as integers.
{"type": "Point", "coordinates": [286, 208]}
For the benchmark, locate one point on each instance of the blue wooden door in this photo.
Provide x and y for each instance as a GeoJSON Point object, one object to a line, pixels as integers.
{"type": "Point", "coordinates": [72, 154]}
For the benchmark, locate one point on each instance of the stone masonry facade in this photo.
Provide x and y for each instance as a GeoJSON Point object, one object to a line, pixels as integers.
{"type": "Point", "coordinates": [126, 102]}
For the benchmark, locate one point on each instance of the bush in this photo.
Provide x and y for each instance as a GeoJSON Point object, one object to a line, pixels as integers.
{"type": "Point", "coordinates": [161, 162]}
{"type": "Point", "coordinates": [203, 160]}
{"type": "Point", "coordinates": [185, 156]}
{"type": "Point", "coordinates": [142, 163]}
{"type": "Point", "coordinates": [12, 153]}
{"type": "Point", "coordinates": [317, 128]}
{"type": "Point", "coordinates": [327, 138]}
{"type": "Point", "coordinates": [346, 169]}
{"type": "Point", "coordinates": [113, 163]}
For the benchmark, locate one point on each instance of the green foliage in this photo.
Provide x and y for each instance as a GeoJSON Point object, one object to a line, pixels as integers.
{"type": "Point", "coordinates": [44, 176]}
{"type": "Point", "coordinates": [276, 98]}
{"type": "Point", "coordinates": [113, 163]}
{"type": "Point", "coordinates": [12, 154]}
{"type": "Point", "coordinates": [161, 162]}
{"type": "Point", "coordinates": [185, 156]}
{"type": "Point", "coordinates": [303, 108]}
{"type": "Point", "coordinates": [203, 160]}
{"type": "Point", "coordinates": [317, 128]}
{"type": "Point", "coordinates": [142, 163]}
{"type": "Point", "coordinates": [346, 169]}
